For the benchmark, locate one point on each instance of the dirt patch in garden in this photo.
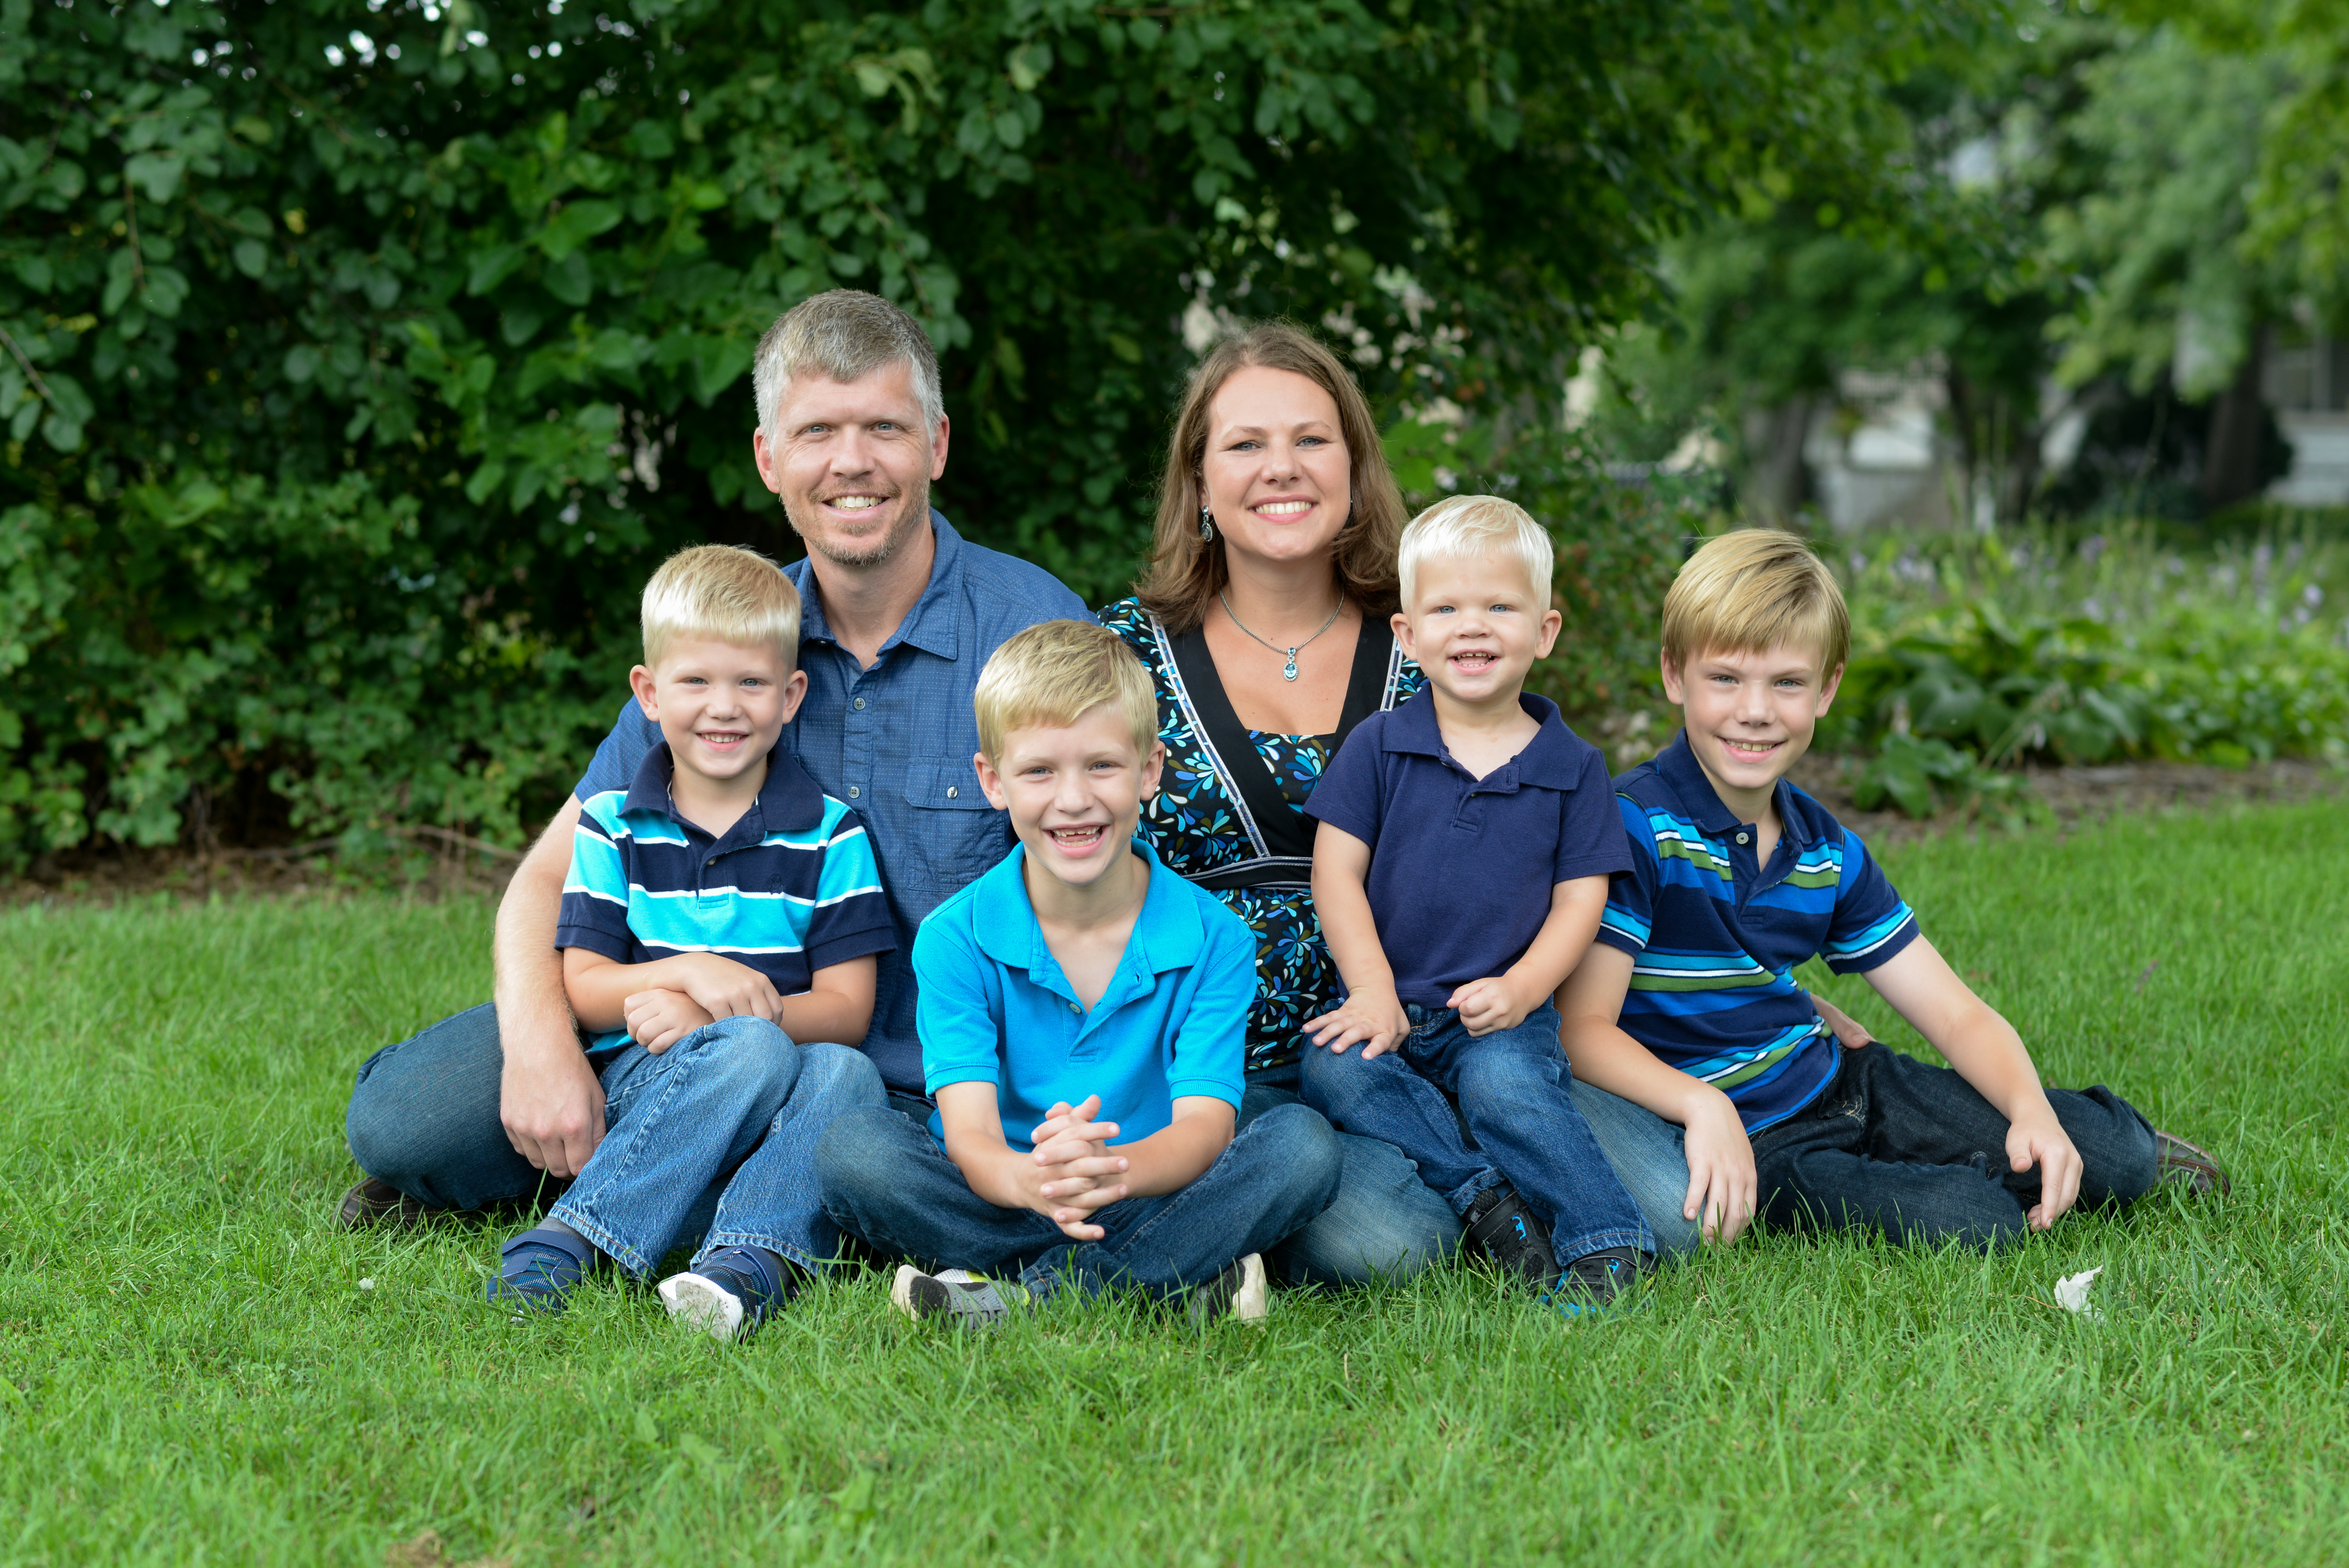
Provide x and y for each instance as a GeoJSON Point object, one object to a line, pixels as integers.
{"type": "Point", "coordinates": [2076, 796]}
{"type": "Point", "coordinates": [434, 868]}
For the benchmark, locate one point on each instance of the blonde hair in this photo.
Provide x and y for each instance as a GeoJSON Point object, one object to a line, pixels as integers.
{"type": "Point", "coordinates": [844, 334]}
{"type": "Point", "coordinates": [1056, 672]}
{"type": "Point", "coordinates": [1753, 590]}
{"type": "Point", "coordinates": [1465, 527]}
{"type": "Point", "coordinates": [1187, 572]}
{"type": "Point", "coordinates": [718, 591]}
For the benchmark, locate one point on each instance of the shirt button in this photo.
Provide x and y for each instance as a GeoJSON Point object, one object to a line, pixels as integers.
{"type": "Point", "coordinates": [860, 702]}
{"type": "Point", "coordinates": [952, 791]}
{"type": "Point", "coordinates": [1741, 838]}
{"type": "Point", "coordinates": [853, 791]}
{"type": "Point", "coordinates": [710, 862]}
{"type": "Point", "coordinates": [1073, 1007]}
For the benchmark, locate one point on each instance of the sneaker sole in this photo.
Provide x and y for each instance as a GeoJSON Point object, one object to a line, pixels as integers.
{"type": "Point", "coordinates": [702, 1303]}
{"type": "Point", "coordinates": [901, 1292]}
{"type": "Point", "coordinates": [1252, 1302]}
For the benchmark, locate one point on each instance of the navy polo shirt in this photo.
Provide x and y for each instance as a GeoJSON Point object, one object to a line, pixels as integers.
{"type": "Point", "coordinates": [1714, 935]}
{"type": "Point", "coordinates": [1462, 868]}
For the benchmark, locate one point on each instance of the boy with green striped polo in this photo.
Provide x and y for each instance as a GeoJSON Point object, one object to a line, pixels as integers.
{"type": "Point", "coordinates": [1686, 1010]}
{"type": "Point", "coordinates": [719, 932]}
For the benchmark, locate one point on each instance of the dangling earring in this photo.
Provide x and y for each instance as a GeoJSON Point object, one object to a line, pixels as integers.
{"type": "Point", "coordinates": [1206, 526]}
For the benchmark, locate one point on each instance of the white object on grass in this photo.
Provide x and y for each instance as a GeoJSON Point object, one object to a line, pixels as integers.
{"type": "Point", "coordinates": [702, 1304]}
{"type": "Point", "coordinates": [366, 1285]}
{"type": "Point", "coordinates": [2072, 1292]}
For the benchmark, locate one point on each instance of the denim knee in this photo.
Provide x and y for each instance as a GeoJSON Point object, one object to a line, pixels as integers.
{"type": "Point", "coordinates": [856, 1157]}
{"type": "Point", "coordinates": [1304, 1146]}
{"type": "Point", "coordinates": [841, 1070]}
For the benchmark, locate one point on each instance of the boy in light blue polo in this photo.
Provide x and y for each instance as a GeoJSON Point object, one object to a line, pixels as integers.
{"type": "Point", "coordinates": [1083, 1017]}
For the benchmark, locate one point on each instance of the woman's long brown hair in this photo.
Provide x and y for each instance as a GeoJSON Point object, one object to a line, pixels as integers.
{"type": "Point", "coordinates": [1187, 572]}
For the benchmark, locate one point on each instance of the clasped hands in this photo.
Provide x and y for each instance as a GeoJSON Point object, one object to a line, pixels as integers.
{"type": "Point", "coordinates": [711, 988]}
{"type": "Point", "coordinates": [1376, 1018]}
{"type": "Point", "coordinates": [1072, 1172]}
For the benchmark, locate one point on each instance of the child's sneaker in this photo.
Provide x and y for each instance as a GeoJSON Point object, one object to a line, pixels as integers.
{"type": "Point", "coordinates": [1598, 1281]}
{"type": "Point", "coordinates": [539, 1268]}
{"type": "Point", "coordinates": [966, 1300]}
{"type": "Point", "coordinates": [2176, 1161]}
{"type": "Point", "coordinates": [1240, 1289]}
{"type": "Point", "coordinates": [731, 1292]}
{"type": "Point", "coordinates": [1499, 1225]}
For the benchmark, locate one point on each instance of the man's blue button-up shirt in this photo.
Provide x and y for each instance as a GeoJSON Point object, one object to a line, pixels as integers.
{"type": "Point", "coordinates": [896, 742]}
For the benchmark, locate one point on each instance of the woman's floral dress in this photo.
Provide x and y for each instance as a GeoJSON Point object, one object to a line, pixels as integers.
{"type": "Point", "coordinates": [1196, 827]}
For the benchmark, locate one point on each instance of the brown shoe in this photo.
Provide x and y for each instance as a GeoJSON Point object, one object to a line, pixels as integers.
{"type": "Point", "coordinates": [374, 1202]}
{"type": "Point", "coordinates": [2177, 1161]}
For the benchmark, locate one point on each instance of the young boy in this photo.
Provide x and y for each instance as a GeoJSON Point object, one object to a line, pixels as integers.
{"type": "Point", "coordinates": [1688, 1007]}
{"type": "Point", "coordinates": [1083, 1018]}
{"type": "Point", "coordinates": [1465, 841]}
{"type": "Point", "coordinates": [721, 913]}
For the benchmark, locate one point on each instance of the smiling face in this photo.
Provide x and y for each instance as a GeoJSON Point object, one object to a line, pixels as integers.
{"type": "Point", "coordinates": [1475, 625]}
{"type": "Point", "coordinates": [1074, 793]}
{"type": "Point", "coordinates": [721, 706]}
{"type": "Point", "coordinates": [853, 462]}
{"type": "Point", "coordinates": [1750, 716]}
{"type": "Point", "coordinates": [1277, 475]}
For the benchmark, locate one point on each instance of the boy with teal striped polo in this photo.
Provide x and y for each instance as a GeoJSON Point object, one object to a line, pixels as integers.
{"type": "Point", "coordinates": [1686, 1010]}
{"type": "Point", "coordinates": [719, 932]}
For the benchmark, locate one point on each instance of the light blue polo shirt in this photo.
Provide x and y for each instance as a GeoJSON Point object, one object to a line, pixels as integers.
{"type": "Point", "coordinates": [996, 1008]}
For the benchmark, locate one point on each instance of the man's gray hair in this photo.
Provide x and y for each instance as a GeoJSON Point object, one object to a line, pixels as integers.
{"type": "Point", "coordinates": [844, 334]}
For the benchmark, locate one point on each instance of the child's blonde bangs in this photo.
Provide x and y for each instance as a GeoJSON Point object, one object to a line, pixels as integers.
{"type": "Point", "coordinates": [1467, 527]}
{"type": "Point", "coordinates": [1756, 589]}
{"type": "Point", "coordinates": [1053, 673]}
{"type": "Point", "coordinates": [722, 592]}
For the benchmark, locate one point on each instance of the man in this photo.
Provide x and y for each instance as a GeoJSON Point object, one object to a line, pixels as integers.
{"type": "Point", "coordinates": [900, 615]}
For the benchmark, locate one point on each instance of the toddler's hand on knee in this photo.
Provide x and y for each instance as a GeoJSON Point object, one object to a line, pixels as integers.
{"type": "Point", "coordinates": [1375, 1020]}
{"type": "Point", "coordinates": [1491, 1004]}
{"type": "Point", "coordinates": [659, 1019]}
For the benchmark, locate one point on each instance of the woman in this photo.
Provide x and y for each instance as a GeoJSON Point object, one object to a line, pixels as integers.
{"type": "Point", "coordinates": [1263, 618]}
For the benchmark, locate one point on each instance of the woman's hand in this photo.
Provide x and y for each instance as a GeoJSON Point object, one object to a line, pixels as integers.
{"type": "Point", "coordinates": [1375, 1018]}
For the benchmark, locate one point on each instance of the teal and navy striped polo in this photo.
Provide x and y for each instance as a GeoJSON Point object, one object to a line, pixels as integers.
{"type": "Point", "coordinates": [1714, 936]}
{"type": "Point", "coordinates": [790, 888]}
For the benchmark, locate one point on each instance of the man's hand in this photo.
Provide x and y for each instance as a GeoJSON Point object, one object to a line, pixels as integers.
{"type": "Point", "coordinates": [1375, 1018]}
{"type": "Point", "coordinates": [2037, 1139]}
{"type": "Point", "coordinates": [1721, 1182]}
{"type": "Point", "coordinates": [1491, 1003]}
{"type": "Point", "coordinates": [1075, 1173]}
{"type": "Point", "coordinates": [725, 989]}
{"type": "Point", "coordinates": [659, 1019]}
{"type": "Point", "coordinates": [551, 1106]}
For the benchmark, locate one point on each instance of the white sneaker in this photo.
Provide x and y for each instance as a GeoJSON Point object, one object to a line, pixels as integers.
{"type": "Point", "coordinates": [1241, 1290]}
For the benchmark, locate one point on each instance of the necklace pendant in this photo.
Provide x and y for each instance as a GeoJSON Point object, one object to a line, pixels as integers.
{"type": "Point", "coordinates": [1288, 670]}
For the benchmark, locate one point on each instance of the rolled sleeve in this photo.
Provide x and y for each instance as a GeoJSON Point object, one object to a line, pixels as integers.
{"type": "Point", "coordinates": [595, 911]}
{"type": "Point", "coordinates": [1871, 924]}
{"type": "Point", "coordinates": [960, 1025]}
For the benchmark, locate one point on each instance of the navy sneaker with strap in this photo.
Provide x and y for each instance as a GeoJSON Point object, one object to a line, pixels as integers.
{"type": "Point", "coordinates": [1596, 1282]}
{"type": "Point", "coordinates": [539, 1268]}
{"type": "Point", "coordinates": [1499, 1225]}
{"type": "Point", "coordinates": [731, 1292]}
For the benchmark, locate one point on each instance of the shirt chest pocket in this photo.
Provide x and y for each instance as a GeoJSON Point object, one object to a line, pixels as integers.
{"type": "Point", "coordinates": [958, 836]}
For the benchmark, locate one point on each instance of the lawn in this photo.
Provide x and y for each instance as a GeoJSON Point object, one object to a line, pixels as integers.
{"type": "Point", "coordinates": [196, 1365]}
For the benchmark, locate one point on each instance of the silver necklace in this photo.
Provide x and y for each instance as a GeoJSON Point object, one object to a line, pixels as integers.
{"type": "Point", "coordinates": [1288, 670]}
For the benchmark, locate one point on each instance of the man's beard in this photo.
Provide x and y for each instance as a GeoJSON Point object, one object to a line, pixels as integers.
{"type": "Point", "coordinates": [872, 552]}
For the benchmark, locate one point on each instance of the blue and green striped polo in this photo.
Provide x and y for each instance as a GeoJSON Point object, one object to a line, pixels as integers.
{"type": "Point", "coordinates": [790, 888]}
{"type": "Point", "coordinates": [1714, 936]}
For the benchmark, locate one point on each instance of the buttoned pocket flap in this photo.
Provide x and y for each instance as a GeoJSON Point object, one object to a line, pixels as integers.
{"type": "Point", "coordinates": [945, 786]}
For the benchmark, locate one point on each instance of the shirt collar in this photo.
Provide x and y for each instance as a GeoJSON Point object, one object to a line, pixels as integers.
{"type": "Point", "coordinates": [931, 625]}
{"type": "Point", "coordinates": [1549, 761]}
{"type": "Point", "coordinates": [789, 801]}
{"type": "Point", "coordinates": [1167, 935]}
{"type": "Point", "coordinates": [1691, 787]}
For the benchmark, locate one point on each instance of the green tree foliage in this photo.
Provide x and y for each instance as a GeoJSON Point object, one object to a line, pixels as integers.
{"type": "Point", "coordinates": [359, 362]}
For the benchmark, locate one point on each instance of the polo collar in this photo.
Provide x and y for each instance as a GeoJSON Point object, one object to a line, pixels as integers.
{"type": "Point", "coordinates": [1550, 760]}
{"type": "Point", "coordinates": [1693, 791]}
{"type": "Point", "coordinates": [789, 801]}
{"type": "Point", "coordinates": [1167, 935]}
{"type": "Point", "coordinates": [931, 625]}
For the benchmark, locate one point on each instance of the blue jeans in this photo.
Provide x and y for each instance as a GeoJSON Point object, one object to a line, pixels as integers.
{"type": "Point", "coordinates": [1513, 1090]}
{"type": "Point", "coordinates": [736, 1104]}
{"type": "Point", "coordinates": [886, 1180]}
{"type": "Point", "coordinates": [1891, 1144]}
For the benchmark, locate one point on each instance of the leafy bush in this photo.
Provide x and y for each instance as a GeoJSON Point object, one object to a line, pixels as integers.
{"type": "Point", "coordinates": [1976, 653]}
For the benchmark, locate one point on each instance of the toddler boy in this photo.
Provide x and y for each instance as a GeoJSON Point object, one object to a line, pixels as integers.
{"type": "Point", "coordinates": [1688, 1007]}
{"type": "Point", "coordinates": [1462, 861]}
{"type": "Point", "coordinates": [720, 913]}
{"type": "Point", "coordinates": [1082, 1015]}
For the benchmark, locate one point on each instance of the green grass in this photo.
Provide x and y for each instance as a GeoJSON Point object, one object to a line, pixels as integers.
{"type": "Point", "coordinates": [190, 1368]}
